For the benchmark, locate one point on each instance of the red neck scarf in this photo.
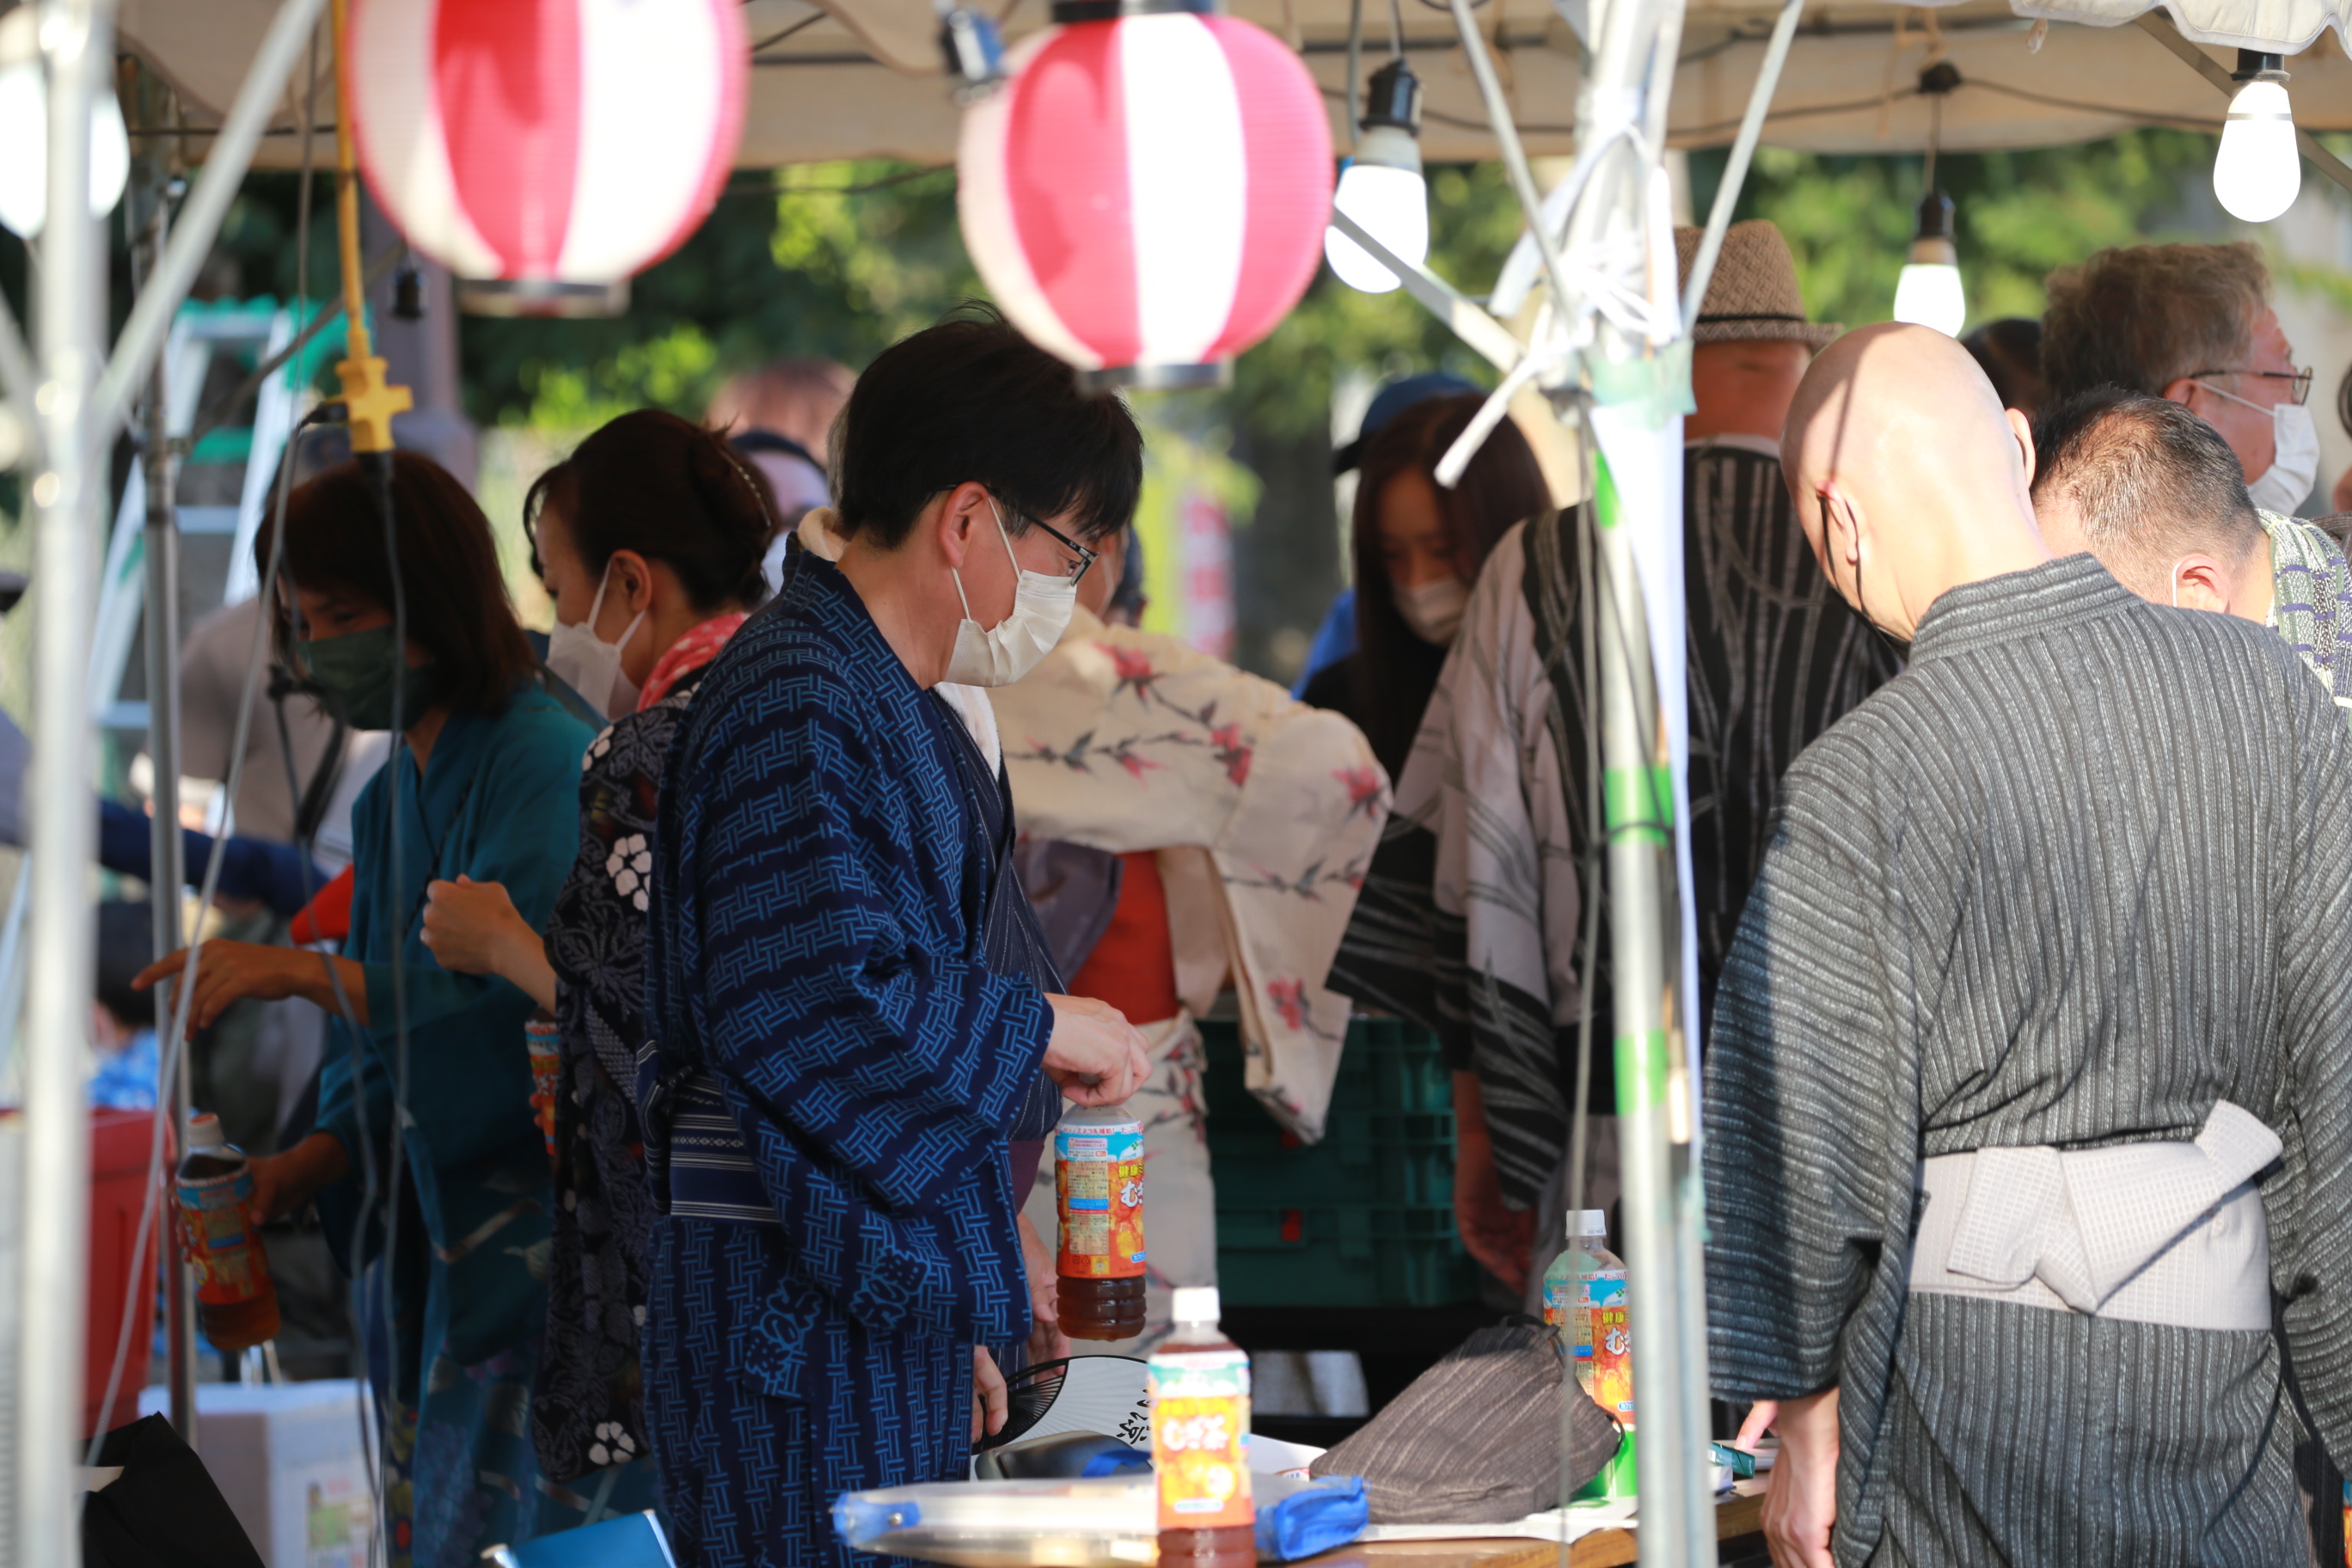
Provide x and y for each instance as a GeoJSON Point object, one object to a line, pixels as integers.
{"type": "Point", "coordinates": [697, 647]}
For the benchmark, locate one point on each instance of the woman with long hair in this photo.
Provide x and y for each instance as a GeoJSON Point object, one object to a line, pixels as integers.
{"type": "Point", "coordinates": [1417, 549]}
{"type": "Point", "coordinates": [450, 1216]}
{"type": "Point", "coordinates": [649, 539]}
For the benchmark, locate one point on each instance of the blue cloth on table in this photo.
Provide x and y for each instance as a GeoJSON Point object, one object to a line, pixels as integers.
{"type": "Point", "coordinates": [820, 883]}
{"type": "Point", "coordinates": [125, 1080]}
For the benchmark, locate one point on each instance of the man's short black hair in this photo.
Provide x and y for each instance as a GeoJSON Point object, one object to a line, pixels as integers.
{"type": "Point", "coordinates": [973, 400]}
{"type": "Point", "coordinates": [2149, 480]}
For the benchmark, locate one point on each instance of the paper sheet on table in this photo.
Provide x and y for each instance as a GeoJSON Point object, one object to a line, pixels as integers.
{"type": "Point", "coordinates": [1616, 1514]}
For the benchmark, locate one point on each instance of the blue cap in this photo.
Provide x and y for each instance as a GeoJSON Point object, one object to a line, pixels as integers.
{"type": "Point", "coordinates": [1392, 400]}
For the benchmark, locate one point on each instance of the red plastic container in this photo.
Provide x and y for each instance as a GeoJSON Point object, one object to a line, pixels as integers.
{"type": "Point", "coordinates": [119, 1146]}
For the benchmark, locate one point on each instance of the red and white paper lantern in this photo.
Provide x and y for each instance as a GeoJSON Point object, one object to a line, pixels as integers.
{"type": "Point", "coordinates": [546, 150]}
{"type": "Point", "coordinates": [1146, 196]}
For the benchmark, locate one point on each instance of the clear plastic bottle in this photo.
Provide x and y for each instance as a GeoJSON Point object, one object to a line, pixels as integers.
{"type": "Point", "coordinates": [236, 1303]}
{"type": "Point", "coordinates": [1200, 1384]}
{"type": "Point", "coordinates": [1098, 1196]}
{"type": "Point", "coordinates": [1599, 1304]}
{"type": "Point", "coordinates": [1567, 1305]}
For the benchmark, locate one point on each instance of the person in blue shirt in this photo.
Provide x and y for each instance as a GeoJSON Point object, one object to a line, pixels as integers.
{"type": "Point", "coordinates": [484, 767]}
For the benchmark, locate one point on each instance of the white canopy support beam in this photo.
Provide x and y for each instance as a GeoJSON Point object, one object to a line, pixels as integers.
{"type": "Point", "coordinates": [2157, 26]}
{"type": "Point", "coordinates": [199, 221]}
{"type": "Point", "coordinates": [67, 492]}
{"type": "Point", "coordinates": [1491, 339]}
{"type": "Point", "coordinates": [1735, 170]}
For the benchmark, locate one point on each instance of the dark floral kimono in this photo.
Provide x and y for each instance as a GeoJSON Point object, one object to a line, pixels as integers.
{"type": "Point", "coordinates": [588, 1409]}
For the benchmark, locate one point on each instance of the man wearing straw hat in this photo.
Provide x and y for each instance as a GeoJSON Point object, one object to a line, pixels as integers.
{"type": "Point", "coordinates": [1497, 792]}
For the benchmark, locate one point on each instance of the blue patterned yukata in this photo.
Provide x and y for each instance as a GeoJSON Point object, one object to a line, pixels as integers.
{"type": "Point", "coordinates": [468, 1264]}
{"type": "Point", "coordinates": [834, 1070]}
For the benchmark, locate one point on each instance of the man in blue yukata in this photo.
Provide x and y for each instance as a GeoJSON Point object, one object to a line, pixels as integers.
{"type": "Point", "coordinates": [859, 1040]}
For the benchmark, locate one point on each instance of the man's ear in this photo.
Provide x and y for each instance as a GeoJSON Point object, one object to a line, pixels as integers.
{"type": "Point", "coordinates": [2178, 390]}
{"type": "Point", "coordinates": [2199, 582]}
{"type": "Point", "coordinates": [962, 511]}
{"type": "Point", "coordinates": [2021, 429]}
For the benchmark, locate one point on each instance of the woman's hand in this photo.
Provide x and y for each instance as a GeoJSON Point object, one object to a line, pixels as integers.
{"type": "Point", "coordinates": [231, 972]}
{"type": "Point", "coordinates": [1046, 1340]}
{"type": "Point", "coordinates": [283, 1183]}
{"type": "Point", "coordinates": [473, 928]}
{"type": "Point", "coordinates": [1500, 1238]}
{"type": "Point", "coordinates": [1800, 1507]}
{"type": "Point", "coordinates": [1096, 1056]}
{"type": "Point", "coordinates": [988, 1401]}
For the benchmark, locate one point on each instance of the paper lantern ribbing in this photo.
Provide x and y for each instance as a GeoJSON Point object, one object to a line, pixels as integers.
{"type": "Point", "coordinates": [1146, 196]}
{"type": "Point", "coordinates": [546, 150]}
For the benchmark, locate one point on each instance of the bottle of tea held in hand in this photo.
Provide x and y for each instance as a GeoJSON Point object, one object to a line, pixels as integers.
{"type": "Point", "coordinates": [1098, 1196]}
{"type": "Point", "coordinates": [236, 1304]}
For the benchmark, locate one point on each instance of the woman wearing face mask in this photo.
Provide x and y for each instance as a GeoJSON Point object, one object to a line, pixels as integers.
{"type": "Point", "coordinates": [479, 752]}
{"type": "Point", "coordinates": [649, 539]}
{"type": "Point", "coordinates": [849, 1002]}
{"type": "Point", "coordinates": [1418, 548]}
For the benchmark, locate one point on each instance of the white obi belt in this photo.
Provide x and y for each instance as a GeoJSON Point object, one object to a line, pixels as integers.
{"type": "Point", "coordinates": [2150, 1232]}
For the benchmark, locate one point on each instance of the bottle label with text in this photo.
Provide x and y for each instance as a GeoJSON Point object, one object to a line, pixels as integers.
{"type": "Point", "coordinates": [1099, 1189]}
{"type": "Point", "coordinates": [220, 1240]}
{"type": "Point", "coordinates": [1200, 1438]}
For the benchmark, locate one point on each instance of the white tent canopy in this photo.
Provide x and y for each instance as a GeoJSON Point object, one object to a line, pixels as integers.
{"type": "Point", "coordinates": [862, 77]}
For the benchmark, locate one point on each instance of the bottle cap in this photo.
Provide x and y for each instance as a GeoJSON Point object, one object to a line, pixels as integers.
{"type": "Point", "coordinates": [1591, 1221]}
{"type": "Point", "coordinates": [1194, 1304]}
{"type": "Point", "coordinates": [205, 1130]}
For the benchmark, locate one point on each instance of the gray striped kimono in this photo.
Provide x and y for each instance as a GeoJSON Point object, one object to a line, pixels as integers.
{"type": "Point", "coordinates": [2083, 870]}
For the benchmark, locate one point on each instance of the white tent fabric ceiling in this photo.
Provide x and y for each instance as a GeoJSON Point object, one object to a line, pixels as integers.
{"type": "Point", "coordinates": [862, 77]}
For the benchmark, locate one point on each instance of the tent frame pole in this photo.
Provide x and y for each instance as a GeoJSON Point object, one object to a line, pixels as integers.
{"type": "Point", "coordinates": [68, 496]}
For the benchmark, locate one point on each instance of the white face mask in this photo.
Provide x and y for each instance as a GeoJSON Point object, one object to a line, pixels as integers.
{"type": "Point", "coordinates": [591, 666]}
{"type": "Point", "coordinates": [2295, 462]}
{"type": "Point", "coordinates": [1001, 654]}
{"type": "Point", "coordinates": [1434, 610]}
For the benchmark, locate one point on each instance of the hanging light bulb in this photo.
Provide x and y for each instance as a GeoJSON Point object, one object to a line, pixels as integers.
{"type": "Point", "coordinates": [2258, 170]}
{"type": "Point", "coordinates": [1929, 294]}
{"type": "Point", "coordinates": [25, 132]}
{"type": "Point", "coordinates": [1381, 186]}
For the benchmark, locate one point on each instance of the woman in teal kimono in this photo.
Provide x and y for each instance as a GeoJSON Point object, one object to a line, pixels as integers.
{"type": "Point", "coordinates": [479, 783]}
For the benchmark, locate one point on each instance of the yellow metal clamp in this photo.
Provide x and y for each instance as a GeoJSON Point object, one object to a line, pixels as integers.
{"type": "Point", "coordinates": [370, 396]}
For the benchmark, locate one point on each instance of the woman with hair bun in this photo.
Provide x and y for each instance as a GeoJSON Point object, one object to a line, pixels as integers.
{"type": "Point", "coordinates": [649, 540]}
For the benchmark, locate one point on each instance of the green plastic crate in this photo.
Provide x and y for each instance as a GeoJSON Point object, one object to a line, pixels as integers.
{"type": "Point", "coordinates": [1365, 1218]}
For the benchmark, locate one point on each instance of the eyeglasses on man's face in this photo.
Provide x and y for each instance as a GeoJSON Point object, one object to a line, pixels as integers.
{"type": "Point", "coordinates": [2299, 381]}
{"type": "Point", "coordinates": [1076, 569]}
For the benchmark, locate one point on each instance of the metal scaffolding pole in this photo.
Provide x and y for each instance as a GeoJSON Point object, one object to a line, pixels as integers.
{"type": "Point", "coordinates": [1631, 62]}
{"type": "Point", "coordinates": [68, 496]}
{"type": "Point", "coordinates": [161, 540]}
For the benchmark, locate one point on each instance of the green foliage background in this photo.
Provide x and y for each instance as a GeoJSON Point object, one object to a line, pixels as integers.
{"type": "Point", "coordinates": [841, 260]}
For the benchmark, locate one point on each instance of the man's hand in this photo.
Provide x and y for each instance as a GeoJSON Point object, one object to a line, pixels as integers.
{"type": "Point", "coordinates": [231, 972]}
{"type": "Point", "coordinates": [1500, 1238]}
{"type": "Point", "coordinates": [471, 925]}
{"type": "Point", "coordinates": [1046, 1340]}
{"type": "Point", "coordinates": [473, 928]}
{"type": "Point", "coordinates": [1801, 1505]}
{"type": "Point", "coordinates": [1761, 1416]}
{"type": "Point", "coordinates": [987, 1402]}
{"type": "Point", "coordinates": [284, 1182]}
{"type": "Point", "coordinates": [1096, 1056]}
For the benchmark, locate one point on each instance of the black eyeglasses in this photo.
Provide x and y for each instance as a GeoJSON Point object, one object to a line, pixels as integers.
{"type": "Point", "coordinates": [1086, 558]}
{"type": "Point", "coordinates": [2299, 392]}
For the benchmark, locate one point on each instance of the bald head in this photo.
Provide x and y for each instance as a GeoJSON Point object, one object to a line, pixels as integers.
{"type": "Point", "coordinates": [1908, 475]}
